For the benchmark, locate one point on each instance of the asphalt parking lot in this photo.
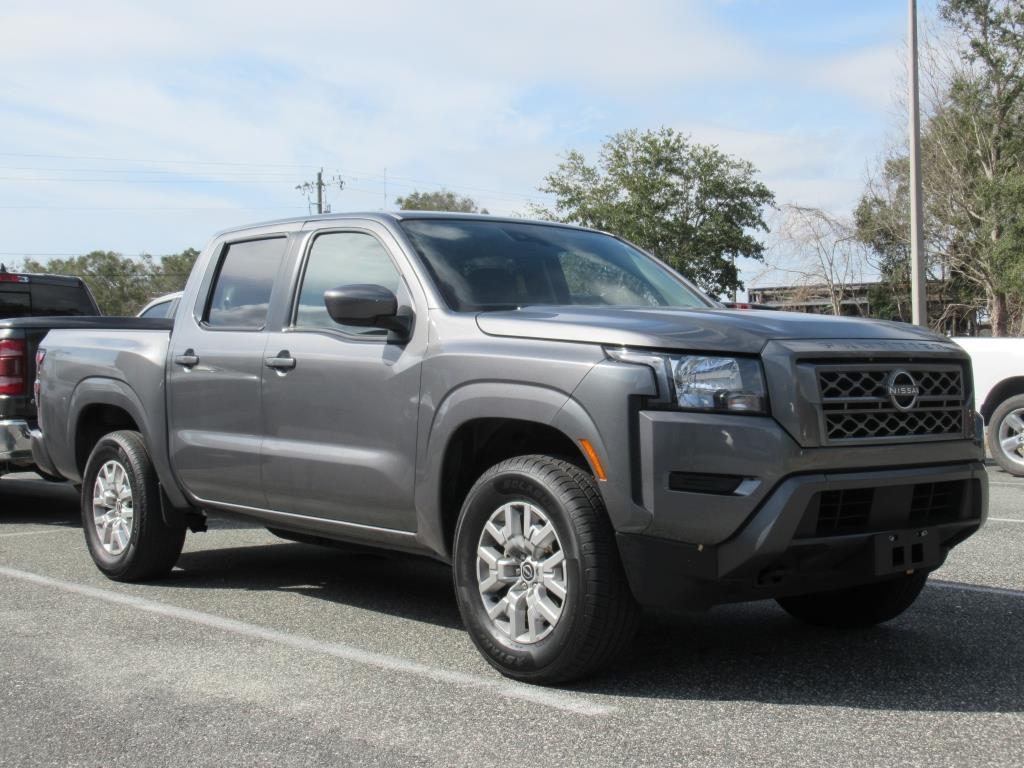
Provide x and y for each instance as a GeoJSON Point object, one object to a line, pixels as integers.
{"type": "Point", "coordinates": [264, 652]}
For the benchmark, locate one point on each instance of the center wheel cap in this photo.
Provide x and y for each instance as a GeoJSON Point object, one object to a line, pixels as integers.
{"type": "Point", "coordinates": [528, 572]}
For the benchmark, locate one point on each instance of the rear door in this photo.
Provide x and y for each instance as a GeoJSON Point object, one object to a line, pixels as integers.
{"type": "Point", "coordinates": [216, 361]}
{"type": "Point", "coordinates": [341, 419]}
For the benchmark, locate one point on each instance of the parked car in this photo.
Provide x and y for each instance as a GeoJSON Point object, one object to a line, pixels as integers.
{"type": "Point", "coordinates": [162, 306]}
{"type": "Point", "coordinates": [572, 425]}
{"type": "Point", "coordinates": [999, 391]}
{"type": "Point", "coordinates": [23, 299]}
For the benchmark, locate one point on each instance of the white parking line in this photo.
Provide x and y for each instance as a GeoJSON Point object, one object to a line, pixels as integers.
{"type": "Point", "coordinates": [506, 688]}
{"type": "Point", "coordinates": [32, 533]}
{"type": "Point", "coordinates": [976, 588]}
{"type": "Point", "coordinates": [1005, 520]}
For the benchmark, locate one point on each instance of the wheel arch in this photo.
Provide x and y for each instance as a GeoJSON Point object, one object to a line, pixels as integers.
{"type": "Point", "coordinates": [478, 426]}
{"type": "Point", "coordinates": [101, 405]}
{"type": "Point", "coordinates": [1004, 390]}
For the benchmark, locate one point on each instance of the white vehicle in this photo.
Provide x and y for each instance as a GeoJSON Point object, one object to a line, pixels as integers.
{"type": "Point", "coordinates": [999, 394]}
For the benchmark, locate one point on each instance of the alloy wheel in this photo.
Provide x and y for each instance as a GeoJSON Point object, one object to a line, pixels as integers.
{"type": "Point", "coordinates": [521, 572]}
{"type": "Point", "coordinates": [113, 508]}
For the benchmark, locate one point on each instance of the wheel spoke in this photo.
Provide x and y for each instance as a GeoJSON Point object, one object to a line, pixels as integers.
{"type": "Point", "coordinates": [513, 522]}
{"type": "Point", "coordinates": [495, 533]}
{"type": "Point", "coordinates": [517, 611]}
{"type": "Point", "coordinates": [541, 536]}
{"type": "Point", "coordinates": [1014, 421]}
{"type": "Point", "coordinates": [554, 586]}
{"type": "Point", "coordinates": [551, 562]}
{"type": "Point", "coordinates": [1010, 444]}
{"type": "Point", "coordinates": [541, 604]}
{"type": "Point", "coordinates": [500, 608]}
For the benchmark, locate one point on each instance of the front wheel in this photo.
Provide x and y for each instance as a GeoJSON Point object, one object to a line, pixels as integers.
{"type": "Point", "coordinates": [537, 573]}
{"type": "Point", "coordinates": [124, 527]}
{"type": "Point", "coordinates": [857, 607]}
{"type": "Point", "coordinates": [1006, 435]}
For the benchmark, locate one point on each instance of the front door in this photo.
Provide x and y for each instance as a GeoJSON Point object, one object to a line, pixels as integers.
{"type": "Point", "coordinates": [214, 410]}
{"type": "Point", "coordinates": [340, 402]}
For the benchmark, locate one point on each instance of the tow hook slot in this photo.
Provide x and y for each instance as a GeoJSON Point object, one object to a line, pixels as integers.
{"type": "Point", "coordinates": [903, 551]}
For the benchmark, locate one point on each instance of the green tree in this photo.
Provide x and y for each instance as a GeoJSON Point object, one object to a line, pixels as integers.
{"type": "Point", "coordinates": [690, 204]}
{"type": "Point", "coordinates": [172, 271]}
{"type": "Point", "coordinates": [121, 285]}
{"type": "Point", "coordinates": [882, 223]}
{"type": "Point", "coordinates": [441, 200]}
{"type": "Point", "coordinates": [972, 162]}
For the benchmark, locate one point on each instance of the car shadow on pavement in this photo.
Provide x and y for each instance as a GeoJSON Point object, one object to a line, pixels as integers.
{"type": "Point", "coordinates": [38, 502]}
{"type": "Point", "coordinates": [953, 650]}
{"type": "Point", "coordinates": [410, 587]}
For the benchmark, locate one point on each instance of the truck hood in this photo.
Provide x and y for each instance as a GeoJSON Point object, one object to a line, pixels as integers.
{"type": "Point", "coordinates": [722, 330]}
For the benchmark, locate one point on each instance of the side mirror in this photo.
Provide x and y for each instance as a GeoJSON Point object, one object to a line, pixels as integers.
{"type": "Point", "coordinates": [368, 306]}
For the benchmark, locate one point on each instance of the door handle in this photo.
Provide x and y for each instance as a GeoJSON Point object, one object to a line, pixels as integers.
{"type": "Point", "coordinates": [282, 362]}
{"type": "Point", "coordinates": [189, 359]}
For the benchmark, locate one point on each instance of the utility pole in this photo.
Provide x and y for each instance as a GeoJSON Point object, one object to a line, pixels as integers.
{"type": "Point", "coordinates": [918, 285]}
{"type": "Point", "coordinates": [318, 187]}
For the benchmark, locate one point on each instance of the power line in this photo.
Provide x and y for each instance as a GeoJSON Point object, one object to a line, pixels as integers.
{"type": "Point", "coordinates": [157, 162]}
{"type": "Point", "coordinates": [283, 180]}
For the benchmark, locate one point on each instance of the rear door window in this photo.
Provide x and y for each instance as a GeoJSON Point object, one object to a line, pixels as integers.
{"type": "Point", "coordinates": [244, 281]}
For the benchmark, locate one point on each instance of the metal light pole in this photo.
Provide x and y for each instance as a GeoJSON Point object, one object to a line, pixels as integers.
{"type": "Point", "coordinates": [918, 289]}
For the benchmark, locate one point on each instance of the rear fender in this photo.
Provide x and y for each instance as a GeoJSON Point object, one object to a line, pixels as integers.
{"type": "Point", "coordinates": [112, 392]}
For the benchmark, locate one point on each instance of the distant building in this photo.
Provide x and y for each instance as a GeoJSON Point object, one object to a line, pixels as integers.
{"type": "Point", "coordinates": [874, 300]}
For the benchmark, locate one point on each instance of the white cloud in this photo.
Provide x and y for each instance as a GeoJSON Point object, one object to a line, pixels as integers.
{"type": "Point", "coordinates": [870, 75]}
{"type": "Point", "coordinates": [462, 93]}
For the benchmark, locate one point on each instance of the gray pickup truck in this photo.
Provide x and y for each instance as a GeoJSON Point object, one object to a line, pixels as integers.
{"type": "Point", "coordinates": [570, 424]}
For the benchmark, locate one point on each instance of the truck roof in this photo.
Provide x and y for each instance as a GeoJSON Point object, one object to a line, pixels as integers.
{"type": "Point", "coordinates": [395, 216]}
{"type": "Point", "coordinates": [11, 279]}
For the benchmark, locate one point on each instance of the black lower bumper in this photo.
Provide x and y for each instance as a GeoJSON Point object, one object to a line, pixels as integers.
{"type": "Point", "coordinates": [815, 533]}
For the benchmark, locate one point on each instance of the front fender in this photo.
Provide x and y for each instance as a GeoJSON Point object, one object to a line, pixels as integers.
{"type": "Point", "coordinates": [480, 400]}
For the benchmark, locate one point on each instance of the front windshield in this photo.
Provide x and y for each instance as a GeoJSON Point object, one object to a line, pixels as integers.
{"type": "Point", "coordinates": [481, 265]}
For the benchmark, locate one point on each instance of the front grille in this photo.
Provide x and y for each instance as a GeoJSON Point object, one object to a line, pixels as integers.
{"type": "Point", "coordinates": [934, 503]}
{"type": "Point", "coordinates": [852, 511]}
{"type": "Point", "coordinates": [845, 511]}
{"type": "Point", "coordinates": [857, 405]}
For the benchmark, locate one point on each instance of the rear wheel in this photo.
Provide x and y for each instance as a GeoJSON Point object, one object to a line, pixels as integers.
{"type": "Point", "coordinates": [857, 607]}
{"type": "Point", "coordinates": [537, 572]}
{"type": "Point", "coordinates": [1006, 435]}
{"type": "Point", "coordinates": [124, 528]}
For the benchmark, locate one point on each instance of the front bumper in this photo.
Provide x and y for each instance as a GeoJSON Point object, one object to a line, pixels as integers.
{"type": "Point", "coordinates": [784, 548]}
{"type": "Point", "coordinates": [15, 442]}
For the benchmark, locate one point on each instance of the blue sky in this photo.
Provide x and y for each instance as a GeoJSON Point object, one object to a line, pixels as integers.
{"type": "Point", "coordinates": [146, 127]}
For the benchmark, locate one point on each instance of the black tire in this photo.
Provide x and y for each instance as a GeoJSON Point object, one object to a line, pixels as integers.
{"type": "Point", "coordinates": [1008, 406]}
{"type": "Point", "coordinates": [153, 546]}
{"type": "Point", "coordinates": [857, 607]}
{"type": "Point", "coordinates": [599, 615]}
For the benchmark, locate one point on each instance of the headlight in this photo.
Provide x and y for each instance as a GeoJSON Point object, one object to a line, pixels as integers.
{"type": "Point", "coordinates": [704, 382]}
